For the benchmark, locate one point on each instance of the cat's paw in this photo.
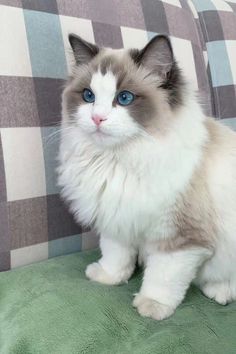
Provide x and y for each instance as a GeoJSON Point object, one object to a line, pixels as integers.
{"type": "Point", "coordinates": [151, 308]}
{"type": "Point", "coordinates": [220, 292]}
{"type": "Point", "coordinates": [95, 272]}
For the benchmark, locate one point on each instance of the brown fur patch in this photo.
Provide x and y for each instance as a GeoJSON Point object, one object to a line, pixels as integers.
{"type": "Point", "coordinates": [195, 215]}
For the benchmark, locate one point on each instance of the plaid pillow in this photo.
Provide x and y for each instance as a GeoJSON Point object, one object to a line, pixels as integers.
{"type": "Point", "coordinates": [218, 23]}
{"type": "Point", "coordinates": [34, 61]}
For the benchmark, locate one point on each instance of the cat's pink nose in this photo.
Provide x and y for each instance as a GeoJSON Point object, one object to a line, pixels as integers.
{"type": "Point", "coordinates": [98, 119]}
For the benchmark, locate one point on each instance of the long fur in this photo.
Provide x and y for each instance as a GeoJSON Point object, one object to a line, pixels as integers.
{"type": "Point", "coordinates": [161, 188]}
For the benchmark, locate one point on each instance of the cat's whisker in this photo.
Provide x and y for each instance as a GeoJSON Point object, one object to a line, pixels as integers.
{"type": "Point", "coordinates": [51, 138]}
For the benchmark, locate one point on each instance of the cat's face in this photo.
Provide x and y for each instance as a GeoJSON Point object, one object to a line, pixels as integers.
{"type": "Point", "coordinates": [114, 96]}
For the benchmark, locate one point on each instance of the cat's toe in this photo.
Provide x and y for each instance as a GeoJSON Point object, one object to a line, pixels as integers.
{"type": "Point", "coordinates": [96, 273]}
{"type": "Point", "coordinates": [220, 292]}
{"type": "Point", "coordinates": [151, 308]}
{"type": "Point", "coordinates": [137, 299]}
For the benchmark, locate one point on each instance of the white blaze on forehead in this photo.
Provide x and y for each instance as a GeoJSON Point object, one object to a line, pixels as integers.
{"type": "Point", "coordinates": [104, 88]}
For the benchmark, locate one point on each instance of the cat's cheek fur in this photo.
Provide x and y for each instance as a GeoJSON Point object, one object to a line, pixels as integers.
{"type": "Point", "coordinates": [83, 118]}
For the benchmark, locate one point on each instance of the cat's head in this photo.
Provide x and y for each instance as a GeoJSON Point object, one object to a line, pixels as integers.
{"type": "Point", "coordinates": [115, 95]}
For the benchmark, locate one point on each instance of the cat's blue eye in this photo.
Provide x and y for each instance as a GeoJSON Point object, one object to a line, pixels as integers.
{"type": "Point", "coordinates": [88, 96]}
{"type": "Point", "coordinates": [124, 98]}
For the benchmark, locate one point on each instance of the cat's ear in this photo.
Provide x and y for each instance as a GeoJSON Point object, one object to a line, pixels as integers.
{"type": "Point", "coordinates": [157, 56]}
{"type": "Point", "coordinates": [83, 50]}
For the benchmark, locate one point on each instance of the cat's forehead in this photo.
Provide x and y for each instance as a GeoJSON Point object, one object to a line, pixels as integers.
{"type": "Point", "coordinates": [105, 83]}
{"type": "Point", "coordinates": [111, 69]}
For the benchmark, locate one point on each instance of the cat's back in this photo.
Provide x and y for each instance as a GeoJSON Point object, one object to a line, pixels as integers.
{"type": "Point", "coordinates": [220, 154]}
{"type": "Point", "coordinates": [220, 167]}
{"type": "Point", "coordinates": [222, 139]}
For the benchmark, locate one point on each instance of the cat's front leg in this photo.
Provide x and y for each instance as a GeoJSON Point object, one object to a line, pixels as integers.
{"type": "Point", "coordinates": [116, 265]}
{"type": "Point", "coordinates": [166, 279]}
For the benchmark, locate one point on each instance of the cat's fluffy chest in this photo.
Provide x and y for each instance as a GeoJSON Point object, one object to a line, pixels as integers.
{"type": "Point", "coordinates": [119, 198]}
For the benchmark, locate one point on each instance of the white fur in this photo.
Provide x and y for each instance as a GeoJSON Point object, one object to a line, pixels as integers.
{"type": "Point", "coordinates": [116, 265]}
{"type": "Point", "coordinates": [128, 194]}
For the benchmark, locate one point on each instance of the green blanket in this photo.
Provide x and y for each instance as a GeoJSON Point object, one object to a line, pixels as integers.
{"type": "Point", "coordinates": [50, 307]}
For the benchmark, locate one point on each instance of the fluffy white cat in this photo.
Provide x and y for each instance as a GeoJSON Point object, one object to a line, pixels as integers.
{"type": "Point", "coordinates": [141, 164]}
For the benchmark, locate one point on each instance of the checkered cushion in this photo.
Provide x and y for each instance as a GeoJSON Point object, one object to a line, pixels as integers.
{"type": "Point", "coordinates": [34, 61]}
{"type": "Point", "coordinates": [217, 19]}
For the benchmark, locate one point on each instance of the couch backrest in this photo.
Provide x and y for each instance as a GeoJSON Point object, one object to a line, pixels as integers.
{"type": "Point", "coordinates": [217, 22]}
{"type": "Point", "coordinates": [34, 61]}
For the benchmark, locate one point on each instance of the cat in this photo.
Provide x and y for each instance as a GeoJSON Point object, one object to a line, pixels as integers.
{"type": "Point", "coordinates": [141, 164]}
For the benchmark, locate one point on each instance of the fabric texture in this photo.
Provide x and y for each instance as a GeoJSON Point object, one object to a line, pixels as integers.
{"type": "Point", "coordinates": [50, 307]}
{"type": "Point", "coordinates": [34, 62]}
{"type": "Point", "coordinates": [217, 20]}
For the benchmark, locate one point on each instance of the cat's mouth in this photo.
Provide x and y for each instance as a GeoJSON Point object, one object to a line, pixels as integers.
{"type": "Point", "coordinates": [101, 132]}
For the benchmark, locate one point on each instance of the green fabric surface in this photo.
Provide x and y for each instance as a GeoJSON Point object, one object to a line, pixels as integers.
{"type": "Point", "coordinates": [50, 307]}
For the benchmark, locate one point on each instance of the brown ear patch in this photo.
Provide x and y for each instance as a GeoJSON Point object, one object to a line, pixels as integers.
{"type": "Point", "coordinates": [83, 50]}
{"type": "Point", "coordinates": [158, 58]}
{"type": "Point", "coordinates": [195, 217]}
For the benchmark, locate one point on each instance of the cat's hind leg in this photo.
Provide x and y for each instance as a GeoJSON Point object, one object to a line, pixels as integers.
{"type": "Point", "coordinates": [222, 292]}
